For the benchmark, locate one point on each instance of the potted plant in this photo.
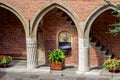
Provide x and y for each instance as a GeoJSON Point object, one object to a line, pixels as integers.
{"type": "Point", "coordinates": [5, 60]}
{"type": "Point", "coordinates": [112, 65]}
{"type": "Point", "coordinates": [57, 59]}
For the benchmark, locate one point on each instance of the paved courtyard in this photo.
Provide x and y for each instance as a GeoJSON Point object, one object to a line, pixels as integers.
{"type": "Point", "coordinates": [35, 76]}
{"type": "Point", "coordinates": [17, 71]}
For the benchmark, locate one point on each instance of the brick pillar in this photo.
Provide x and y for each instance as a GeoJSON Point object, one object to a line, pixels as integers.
{"type": "Point", "coordinates": [83, 65]}
{"type": "Point", "coordinates": [31, 53]}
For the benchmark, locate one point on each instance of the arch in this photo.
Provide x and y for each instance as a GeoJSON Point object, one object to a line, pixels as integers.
{"type": "Point", "coordinates": [17, 13]}
{"type": "Point", "coordinates": [40, 14]}
{"type": "Point", "coordinates": [94, 15]}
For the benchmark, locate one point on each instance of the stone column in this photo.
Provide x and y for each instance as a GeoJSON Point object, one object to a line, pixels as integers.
{"type": "Point", "coordinates": [83, 65]}
{"type": "Point", "coordinates": [31, 53]}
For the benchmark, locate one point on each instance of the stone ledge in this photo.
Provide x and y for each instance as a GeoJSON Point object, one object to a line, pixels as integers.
{"type": "Point", "coordinates": [41, 70]}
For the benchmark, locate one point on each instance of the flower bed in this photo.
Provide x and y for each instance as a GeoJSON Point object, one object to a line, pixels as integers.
{"type": "Point", "coordinates": [5, 60]}
{"type": "Point", "coordinates": [112, 65]}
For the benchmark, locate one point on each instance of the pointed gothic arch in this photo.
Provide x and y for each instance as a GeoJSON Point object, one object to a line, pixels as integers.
{"type": "Point", "coordinates": [23, 28]}
{"type": "Point", "coordinates": [94, 15]}
{"type": "Point", "coordinates": [40, 14]}
{"type": "Point", "coordinates": [17, 13]}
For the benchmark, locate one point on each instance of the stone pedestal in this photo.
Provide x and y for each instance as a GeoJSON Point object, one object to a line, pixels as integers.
{"type": "Point", "coordinates": [31, 53]}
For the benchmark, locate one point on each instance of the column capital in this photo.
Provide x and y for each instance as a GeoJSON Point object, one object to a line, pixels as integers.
{"type": "Point", "coordinates": [29, 39]}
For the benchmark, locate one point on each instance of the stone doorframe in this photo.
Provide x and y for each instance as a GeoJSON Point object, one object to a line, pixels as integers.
{"type": "Point", "coordinates": [83, 50]}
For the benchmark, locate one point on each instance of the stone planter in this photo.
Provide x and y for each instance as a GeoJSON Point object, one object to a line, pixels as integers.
{"type": "Point", "coordinates": [57, 66]}
{"type": "Point", "coordinates": [115, 69]}
{"type": "Point", "coordinates": [57, 59]}
{"type": "Point", "coordinates": [112, 65]}
{"type": "Point", "coordinates": [4, 65]}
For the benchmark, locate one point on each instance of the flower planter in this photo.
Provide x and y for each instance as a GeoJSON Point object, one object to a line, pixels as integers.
{"type": "Point", "coordinates": [112, 65]}
{"type": "Point", "coordinates": [57, 66]}
{"type": "Point", "coordinates": [115, 69]}
{"type": "Point", "coordinates": [5, 60]}
{"type": "Point", "coordinates": [57, 59]}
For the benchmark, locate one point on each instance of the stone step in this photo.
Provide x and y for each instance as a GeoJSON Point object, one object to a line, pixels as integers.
{"type": "Point", "coordinates": [73, 26]}
{"type": "Point", "coordinates": [103, 52]}
{"type": "Point", "coordinates": [64, 18]}
{"type": "Point", "coordinates": [59, 13]}
{"type": "Point", "coordinates": [69, 22]}
{"type": "Point", "coordinates": [98, 48]}
{"type": "Point", "coordinates": [107, 57]}
{"type": "Point", "coordinates": [93, 43]}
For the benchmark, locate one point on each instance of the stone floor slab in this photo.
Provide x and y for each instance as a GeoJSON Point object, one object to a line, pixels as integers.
{"type": "Point", "coordinates": [34, 76]}
{"type": "Point", "coordinates": [19, 79]}
{"type": "Point", "coordinates": [81, 78]}
{"type": "Point", "coordinates": [103, 79]}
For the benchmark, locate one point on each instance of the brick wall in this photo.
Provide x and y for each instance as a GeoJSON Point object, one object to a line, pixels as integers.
{"type": "Point", "coordinates": [83, 8]}
{"type": "Point", "coordinates": [52, 25]}
{"type": "Point", "coordinates": [12, 35]}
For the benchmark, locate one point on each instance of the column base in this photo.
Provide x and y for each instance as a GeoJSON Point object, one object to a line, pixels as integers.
{"type": "Point", "coordinates": [89, 73]}
{"type": "Point", "coordinates": [31, 67]}
{"type": "Point", "coordinates": [82, 71]}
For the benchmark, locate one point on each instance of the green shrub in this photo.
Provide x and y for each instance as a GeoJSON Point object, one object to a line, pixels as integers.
{"type": "Point", "coordinates": [57, 55]}
{"type": "Point", "coordinates": [5, 60]}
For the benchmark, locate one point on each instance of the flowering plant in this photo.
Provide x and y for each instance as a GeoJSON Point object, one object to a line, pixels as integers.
{"type": "Point", "coordinates": [112, 64]}
{"type": "Point", "coordinates": [5, 59]}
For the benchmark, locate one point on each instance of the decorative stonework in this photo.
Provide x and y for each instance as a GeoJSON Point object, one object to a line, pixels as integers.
{"type": "Point", "coordinates": [64, 36]}
{"type": "Point", "coordinates": [31, 53]}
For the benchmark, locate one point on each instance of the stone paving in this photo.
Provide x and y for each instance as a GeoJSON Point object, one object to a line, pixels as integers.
{"type": "Point", "coordinates": [34, 76]}
{"type": "Point", "coordinates": [17, 71]}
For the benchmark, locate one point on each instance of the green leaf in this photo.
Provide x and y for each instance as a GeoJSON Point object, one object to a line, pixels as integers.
{"type": "Point", "coordinates": [57, 55]}
{"type": "Point", "coordinates": [6, 60]}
